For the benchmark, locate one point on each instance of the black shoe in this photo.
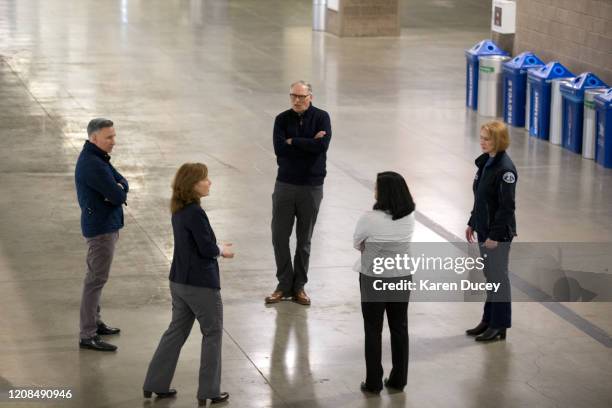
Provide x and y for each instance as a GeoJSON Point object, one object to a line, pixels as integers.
{"type": "Point", "coordinates": [224, 396]}
{"type": "Point", "coordinates": [169, 394]}
{"type": "Point", "coordinates": [482, 326]}
{"type": "Point", "coordinates": [96, 343]}
{"type": "Point", "coordinates": [492, 334]}
{"type": "Point", "coordinates": [365, 388]}
{"type": "Point", "coordinates": [104, 330]}
{"type": "Point", "coordinates": [390, 385]}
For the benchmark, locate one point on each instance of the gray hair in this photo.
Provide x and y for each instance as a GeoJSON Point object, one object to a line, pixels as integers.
{"type": "Point", "coordinates": [303, 83]}
{"type": "Point", "coordinates": [97, 124]}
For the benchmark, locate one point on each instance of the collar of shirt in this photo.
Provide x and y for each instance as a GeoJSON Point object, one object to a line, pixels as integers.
{"type": "Point", "coordinates": [92, 148]}
{"type": "Point", "coordinates": [304, 114]}
{"type": "Point", "coordinates": [483, 159]}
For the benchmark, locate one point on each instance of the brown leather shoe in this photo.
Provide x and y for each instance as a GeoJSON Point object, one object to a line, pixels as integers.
{"type": "Point", "coordinates": [275, 297]}
{"type": "Point", "coordinates": [302, 298]}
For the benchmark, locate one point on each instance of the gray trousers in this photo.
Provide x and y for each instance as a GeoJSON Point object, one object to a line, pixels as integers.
{"type": "Point", "coordinates": [101, 249]}
{"type": "Point", "coordinates": [190, 303]}
{"type": "Point", "coordinates": [289, 203]}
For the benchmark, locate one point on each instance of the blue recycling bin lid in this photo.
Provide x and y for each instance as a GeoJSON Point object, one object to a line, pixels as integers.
{"type": "Point", "coordinates": [552, 70]}
{"type": "Point", "coordinates": [523, 62]}
{"type": "Point", "coordinates": [574, 89]}
{"type": "Point", "coordinates": [485, 47]}
{"type": "Point", "coordinates": [604, 100]}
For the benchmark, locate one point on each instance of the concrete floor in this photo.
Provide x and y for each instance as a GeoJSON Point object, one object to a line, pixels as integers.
{"type": "Point", "coordinates": [202, 81]}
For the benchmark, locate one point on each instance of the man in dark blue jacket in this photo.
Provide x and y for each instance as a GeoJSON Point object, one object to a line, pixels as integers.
{"type": "Point", "coordinates": [101, 192]}
{"type": "Point", "coordinates": [301, 139]}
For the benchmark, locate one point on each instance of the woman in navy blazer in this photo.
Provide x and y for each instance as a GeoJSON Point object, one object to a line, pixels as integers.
{"type": "Point", "coordinates": [195, 290]}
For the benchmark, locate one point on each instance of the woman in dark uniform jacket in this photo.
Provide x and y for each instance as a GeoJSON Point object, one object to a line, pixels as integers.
{"type": "Point", "coordinates": [494, 222]}
{"type": "Point", "coordinates": [195, 290]}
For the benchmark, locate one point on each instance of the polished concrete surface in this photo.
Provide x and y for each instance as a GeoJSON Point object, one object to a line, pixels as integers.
{"type": "Point", "coordinates": [202, 81]}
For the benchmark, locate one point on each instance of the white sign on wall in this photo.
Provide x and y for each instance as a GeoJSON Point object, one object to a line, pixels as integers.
{"type": "Point", "coordinates": [333, 5]}
{"type": "Point", "coordinates": [503, 16]}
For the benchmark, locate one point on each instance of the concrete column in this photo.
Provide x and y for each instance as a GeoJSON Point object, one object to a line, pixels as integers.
{"type": "Point", "coordinates": [503, 24]}
{"type": "Point", "coordinates": [505, 41]}
{"type": "Point", "coordinates": [318, 14]}
{"type": "Point", "coordinates": [364, 18]}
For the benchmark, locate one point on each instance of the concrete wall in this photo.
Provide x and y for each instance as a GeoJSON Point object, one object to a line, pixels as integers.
{"type": "Point", "coordinates": [364, 18]}
{"type": "Point", "coordinates": [576, 32]}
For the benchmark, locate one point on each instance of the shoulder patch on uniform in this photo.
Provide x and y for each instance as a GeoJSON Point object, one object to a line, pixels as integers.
{"type": "Point", "coordinates": [509, 177]}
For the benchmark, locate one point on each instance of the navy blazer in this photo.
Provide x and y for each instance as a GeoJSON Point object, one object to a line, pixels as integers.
{"type": "Point", "coordinates": [195, 249]}
{"type": "Point", "coordinates": [100, 196]}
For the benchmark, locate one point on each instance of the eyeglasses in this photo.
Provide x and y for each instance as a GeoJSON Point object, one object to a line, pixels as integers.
{"type": "Point", "coordinates": [300, 97]}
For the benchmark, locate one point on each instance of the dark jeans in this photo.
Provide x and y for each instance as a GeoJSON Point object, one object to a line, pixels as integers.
{"type": "Point", "coordinates": [292, 203]}
{"type": "Point", "coordinates": [497, 308]}
{"type": "Point", "coordinates": [373, 319]}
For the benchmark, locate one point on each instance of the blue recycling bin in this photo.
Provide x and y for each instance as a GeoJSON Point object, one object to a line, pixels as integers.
{"type": "Point", "coordinates": [515, 86]}
{"type": "Point", "coordinates": [573, 109]}
{"type": "Point", "coordinates": [603, 120]}
{"type": "Point", "coordinates": [485, 47]}
{"type": "Point", "coordinates": [540, 96]}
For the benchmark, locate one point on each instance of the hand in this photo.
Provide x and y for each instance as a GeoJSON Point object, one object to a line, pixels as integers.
{"type": "Point", "coordinates": [227, 251]}
{"type": "Point", "coordinates": [320, 134]}
{"type": "Point", "coordinates": [289, 141]}
{"type": "Point", "coordinates": [490, 244]}
{"type": "Point", "coordinates": [469, 234]}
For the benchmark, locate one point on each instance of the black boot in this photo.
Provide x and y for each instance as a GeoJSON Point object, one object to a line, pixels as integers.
{"type": "Point", "coordinates": [390, 385]}
{"type": "Point", "coordinates": [364, 388]}
{"type": "Point", "coordinates": [482, 326]}
{"type": "Point", "coordinates": [492, 334]}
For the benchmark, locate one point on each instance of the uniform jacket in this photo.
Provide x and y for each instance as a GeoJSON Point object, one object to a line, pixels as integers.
{"type": "Point", "coordinates": [494, 191]}
{"type": "Point", "coordinates": [304, 161]}
{"type": "Point", "coordinates": [195, 249]}
{"type": "Point", "coordinates": [99, 195]}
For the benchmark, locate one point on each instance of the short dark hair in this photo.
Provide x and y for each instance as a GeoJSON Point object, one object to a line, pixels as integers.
{"type": "Point", "coordinates": [97, 124]}
{"type": "Point", "coordinates": [393, 195]}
